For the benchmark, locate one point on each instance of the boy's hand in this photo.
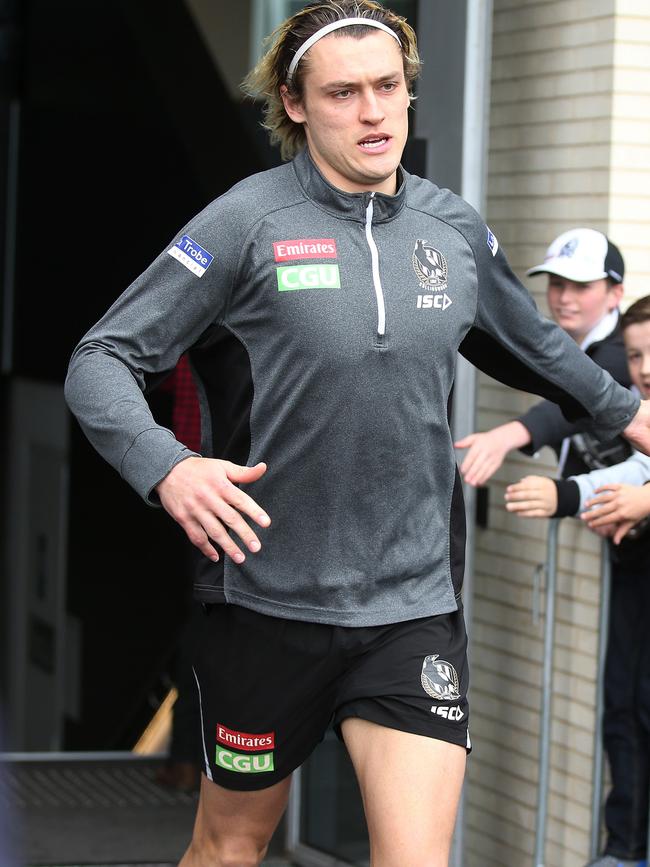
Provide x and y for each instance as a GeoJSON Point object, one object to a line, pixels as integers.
{"type": "Point", "coordinates": [623, 505]}
{"type": "Point", "coordinates": [532, 497]}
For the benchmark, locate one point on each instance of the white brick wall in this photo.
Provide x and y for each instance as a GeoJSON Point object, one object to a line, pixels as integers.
{"type": "Point", "coordinates": [569, 145]}
{"type": "Point", "coordinates": [630, 143]}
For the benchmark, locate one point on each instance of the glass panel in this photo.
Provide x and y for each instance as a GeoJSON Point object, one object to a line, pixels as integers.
{"type": "Point", "coordinates": [332, 818]}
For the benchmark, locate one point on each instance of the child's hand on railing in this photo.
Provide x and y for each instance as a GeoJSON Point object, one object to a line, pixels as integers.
{"type": "Point", "coordinates": [532, 497]}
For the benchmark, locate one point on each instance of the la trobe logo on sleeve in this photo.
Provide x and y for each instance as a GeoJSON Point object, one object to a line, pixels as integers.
{"type": "Point", "coordinates": [191, 255]}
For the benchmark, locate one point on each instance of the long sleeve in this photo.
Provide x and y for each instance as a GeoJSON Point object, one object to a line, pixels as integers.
{"type": "Point", "coordinates": [545, 421]}
{"type": "Point", "coordinates": [511, 341]}
{"type": "Point", "coordinates": [164, 311]}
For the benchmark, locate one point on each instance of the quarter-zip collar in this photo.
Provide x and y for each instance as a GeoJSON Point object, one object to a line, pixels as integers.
{"type": "Point", "coordinates": [350, 206]}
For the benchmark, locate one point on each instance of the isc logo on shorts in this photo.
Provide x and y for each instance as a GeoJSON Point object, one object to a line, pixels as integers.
{"type": "Point", "coordinates": [259, 763]}
{"type": "Point", "coordinates": [452, 713]}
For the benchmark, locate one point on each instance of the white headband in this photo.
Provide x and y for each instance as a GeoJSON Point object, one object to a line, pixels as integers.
{"type": "Point", "coordinates": [335, 25]}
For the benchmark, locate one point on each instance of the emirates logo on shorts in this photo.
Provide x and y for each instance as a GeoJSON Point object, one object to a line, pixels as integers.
{"type": "Point", "coordinates": [439, 679]}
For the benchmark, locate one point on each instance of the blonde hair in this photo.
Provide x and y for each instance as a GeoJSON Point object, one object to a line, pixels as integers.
{"type": "Point", "coordinates": [266, 79]}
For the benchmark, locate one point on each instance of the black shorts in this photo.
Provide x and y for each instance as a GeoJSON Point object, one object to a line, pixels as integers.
{"type": "Point", "coordinates": [269, 687]}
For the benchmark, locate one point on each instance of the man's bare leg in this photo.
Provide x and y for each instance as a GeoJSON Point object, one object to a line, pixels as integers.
{"type": "Point", "coordinates": [410, 787]}
{"type": "Point", "coordinates": [233, 829]}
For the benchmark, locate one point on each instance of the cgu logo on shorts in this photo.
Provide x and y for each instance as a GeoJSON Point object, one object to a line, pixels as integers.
{"type": "Point", "coordinates": [292, 277]}
{"type": "Point", "coordinates": [259, 763]}
{"type": "Point", "coordinates": [230, 760]}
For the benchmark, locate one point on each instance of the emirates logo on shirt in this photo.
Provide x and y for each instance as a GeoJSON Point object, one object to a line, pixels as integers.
{"type": "Point", "coordinates": [308, 248]}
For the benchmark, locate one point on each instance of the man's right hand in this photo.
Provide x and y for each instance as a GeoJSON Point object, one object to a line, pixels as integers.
{"type": "Point", "coordinates": [201, 494]}
{"type": "Point", "coordinates": [487, 451]}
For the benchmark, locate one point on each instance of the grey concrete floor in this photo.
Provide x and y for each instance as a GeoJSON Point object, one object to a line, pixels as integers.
{"type": "Point", "coordinates": [87, 814]}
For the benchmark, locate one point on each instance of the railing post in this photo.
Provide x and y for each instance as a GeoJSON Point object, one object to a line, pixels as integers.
{"type": "Point", "coordinates": [603, 632]}
{"type": "Point", "coordinates": [547, 693]}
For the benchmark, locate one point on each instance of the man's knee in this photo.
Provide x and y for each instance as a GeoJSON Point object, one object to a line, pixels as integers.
{"type": "Point", "coordinates": [225, 851]}
{"type": "Point", "coordinates": [247, 855]}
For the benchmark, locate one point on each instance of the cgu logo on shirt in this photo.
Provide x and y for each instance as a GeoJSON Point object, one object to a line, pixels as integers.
{"type": "Point", "coordinates": [313, 276]}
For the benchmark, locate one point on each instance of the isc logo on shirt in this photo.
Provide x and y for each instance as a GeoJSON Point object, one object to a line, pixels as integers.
{"type": "Point", "coordinates": [293, 277]}
{"type": "Point", "coordinates": [192, 255]}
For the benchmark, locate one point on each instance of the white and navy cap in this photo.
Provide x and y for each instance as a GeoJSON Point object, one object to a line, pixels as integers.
{"type": "Point", "coordinates": [582, 255]}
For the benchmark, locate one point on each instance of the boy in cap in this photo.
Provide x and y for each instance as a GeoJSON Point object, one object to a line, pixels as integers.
{"type": "Point", "coordinates": [585, 273]}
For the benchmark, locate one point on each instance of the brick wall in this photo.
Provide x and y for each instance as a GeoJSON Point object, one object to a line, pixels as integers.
{"type": "Point", "coordinates": [550, 168]}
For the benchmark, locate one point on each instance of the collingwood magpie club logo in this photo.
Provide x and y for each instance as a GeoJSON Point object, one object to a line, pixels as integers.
{"type": "Point", "coordinates": [430, 268]}
{"type": "Point", "coordinates": [439, 679]}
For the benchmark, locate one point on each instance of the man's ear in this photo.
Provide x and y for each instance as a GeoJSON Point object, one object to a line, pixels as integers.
{"type": "Point", "coordinates": [292, 105]}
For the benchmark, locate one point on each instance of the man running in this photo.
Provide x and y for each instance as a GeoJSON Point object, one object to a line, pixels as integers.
{"type": "Point", "coordinates": [323, 304]}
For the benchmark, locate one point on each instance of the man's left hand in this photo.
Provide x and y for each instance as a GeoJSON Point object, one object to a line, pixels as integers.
{"type": "Point", "coordinates": [638, 430]}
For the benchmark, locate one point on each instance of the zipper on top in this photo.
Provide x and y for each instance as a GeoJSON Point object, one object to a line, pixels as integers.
{"type": "Point", "coordinates": [376, 279]}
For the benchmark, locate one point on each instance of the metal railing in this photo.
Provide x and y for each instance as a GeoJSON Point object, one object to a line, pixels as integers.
{"type": "Point", "coordinates": [550, 569]}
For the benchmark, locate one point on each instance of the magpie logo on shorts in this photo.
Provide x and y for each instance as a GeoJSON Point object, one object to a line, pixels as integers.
{"type": "Point", "coordinates": [253, 760]}
{"type": "Point", "coordinates": [439, 679]}
{"type": "Point", "coordinates": [192, 255]}
{"type": "Point", "coordinates": [430, 268]}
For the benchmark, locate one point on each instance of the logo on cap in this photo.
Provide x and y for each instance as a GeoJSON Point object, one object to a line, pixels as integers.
{"type": "Point", "coordinates": [569, 249]}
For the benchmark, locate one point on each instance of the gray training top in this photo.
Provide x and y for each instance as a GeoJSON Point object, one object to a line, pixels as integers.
{"type": "Point", "coordinates": [323, 329]}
